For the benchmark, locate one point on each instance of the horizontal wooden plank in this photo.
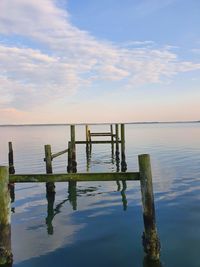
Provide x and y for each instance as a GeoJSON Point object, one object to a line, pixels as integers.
{"type": "Point", "coordinates": [101, 134]}
{"type": "Point", "coordinates": [79, 177]}
{"type": "Point", "coordinates": [97, 142]}
{"type": "Point", "coordinates": [59, 153]}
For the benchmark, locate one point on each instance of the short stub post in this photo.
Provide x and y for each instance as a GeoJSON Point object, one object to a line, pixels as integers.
{"type": "Point", "coordinates": [150, 237]}
{"type": "Point", "coordinates": [6, 256]}
{"type": "Point", "coordinates": [11, 158]}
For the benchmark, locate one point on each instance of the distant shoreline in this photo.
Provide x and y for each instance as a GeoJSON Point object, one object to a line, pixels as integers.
{"type": "Point", "coordinates": [107, 123]}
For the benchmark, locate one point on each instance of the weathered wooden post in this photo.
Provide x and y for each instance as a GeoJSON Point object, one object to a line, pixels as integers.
{"type": "Point", "coordinates": [11, 158]}
{"type": "Point", "coordinates": [6, 256]}
{"type": "Point", "coordinates": [117, 140]}
{"type": "Point", "coordinates": [150, 237]}
{"type": "Point", "coordinates": [11, 170]}
{"type": "Point", "coordinates": [69, 166]}
{"type": "Point", "coordinates": [50, 186]}
{"type": "Point", "coordinates": [123, 157]}
{"type": "Point", "coordinates": [112, 140]}
{"type": "Point", "coordinates": [73, 147]}
{"type": "Point", "coordinates": [71, 169]}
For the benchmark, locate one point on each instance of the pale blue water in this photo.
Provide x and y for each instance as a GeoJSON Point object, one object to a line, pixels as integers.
{"type": "Point", "coordinates": [106, 227]}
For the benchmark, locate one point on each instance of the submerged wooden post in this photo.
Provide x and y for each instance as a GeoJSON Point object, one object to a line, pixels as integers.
{"type": "Point", "coordinates": [73, 147]}
{"type": "Point", "coordinates": [112, 139]}
{"type": "Point", "coordinates": [69, 166]}
{"type": "Point", "coordinates": [150, 237]}
{"type": "Point", "coordinates": [48, 160]}
{"type": "Point", "coordinates": [123, 157]}
{"type": "Point", "coordinates": [71, 184]}
{"type": "Point", "coordinates": [5, 218]}
{"type": "Point", "coordinates": [117, 140]}
{"type": "Point", "coordinates": [11, 170]}
{"type": "Point", "coordinates": [11, 158]}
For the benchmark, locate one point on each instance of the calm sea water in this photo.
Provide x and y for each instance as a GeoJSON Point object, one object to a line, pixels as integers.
{"type": "Point", "coordinates": [101, 224]}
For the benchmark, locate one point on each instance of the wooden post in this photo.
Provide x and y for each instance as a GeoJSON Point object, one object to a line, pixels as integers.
{"type": "Point", "coordinates": [112, 140]}
{"type": "Point", "coordinates": [117, 147]}
{"type": "Point", "coordinates": [86, 133]}
{"type": "Point", "coordinates": [117, 139]}
{"type": "Point", "coordinates": [11, 159]}
{"type": "Point", "coordinates": [73, 147]}
{"type": "Point", "coordinates": [69, 166]}
{"type": "Point", "coordinates": [49, 186]}
{"type": "Point", "coordinates": [151, 241]}
{"type": "Point", "coordinates": [11, 170]}
{"type": "Point", "coordinates": [123, 157]}
{"type": "Point", "coordinates": [5, 218]}
{"type": "Point", "coordinates": [71, 184]}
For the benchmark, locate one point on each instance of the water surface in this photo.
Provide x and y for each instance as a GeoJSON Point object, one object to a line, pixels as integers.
{"type": "Point", "coordinates": [101, 223]}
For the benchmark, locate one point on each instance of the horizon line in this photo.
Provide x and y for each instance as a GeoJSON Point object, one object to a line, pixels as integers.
{"type": "Point", "coordinates": [97, 123]}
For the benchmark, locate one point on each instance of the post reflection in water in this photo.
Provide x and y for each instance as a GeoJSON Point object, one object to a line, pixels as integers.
{"type": "Point", "coordinates": [72, 191]}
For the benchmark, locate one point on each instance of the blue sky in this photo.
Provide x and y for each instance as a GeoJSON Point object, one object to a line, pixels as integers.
{"type": "Point", "coordinates": [99, 61]}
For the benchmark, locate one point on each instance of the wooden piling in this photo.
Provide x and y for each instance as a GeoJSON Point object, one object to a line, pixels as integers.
{"type": "Point", "coordinates": [50, 187]}
{"type": "Point", "coordinates": [151, 241]}
{"type": "Point", "coordinates": [73, 147]}
{"type": "Point", "coordinates": [117, 140]}
{"type": "Point", "coordinates": [123, 157]}
{"type": "Point", "coordinates": [72, 169]}
{"type": "Point", "coordinates": [11, 170]}
{"type": "Point", "coordinates": [112, 139]}
{"type": "Point", "coordinates": [5, 218]}
{"type": "Point", "coordinates": [11, 158]}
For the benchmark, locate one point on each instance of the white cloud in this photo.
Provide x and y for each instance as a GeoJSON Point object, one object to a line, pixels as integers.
{"type": "Point", "coordinates": [67, 58]}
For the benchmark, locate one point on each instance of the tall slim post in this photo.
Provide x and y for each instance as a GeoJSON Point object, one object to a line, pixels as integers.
{"type": "Point", "coordinates": [71, 184]}
{"type": "Point", "coordinates": [50, 186]}
{"type": "Point", "coordinates": [73, 147]}
{"type": "Point", "coordinates": [6, 256]}
{"type": "Point", "coordinates": [112, 140]}
{"type": "Point", "coordinates": [151, 241]}
{"type": "Point", "coordinates": [11, 170]}
{"type": "Point", "coordinates": [123, 157]}
{"type": "Point", "coordinates": [117, 147]}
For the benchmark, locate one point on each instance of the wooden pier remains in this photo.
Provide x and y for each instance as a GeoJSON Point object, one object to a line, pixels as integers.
{"type": "Point", "coordinates": [150, 237]}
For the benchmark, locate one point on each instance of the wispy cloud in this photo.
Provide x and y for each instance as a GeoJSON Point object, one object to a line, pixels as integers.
{"type": "Point", "coordinates": [65, 59]}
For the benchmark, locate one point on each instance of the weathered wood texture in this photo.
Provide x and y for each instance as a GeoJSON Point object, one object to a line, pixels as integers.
{"type": "Point", "coordinates": [55, 155]}
{"type": "Point", "coordinates": [11, 158]}
{"type": "Point", "coordinates": [5, 217]}
{"type": "Point", "coordinates": [73, 149]}
{"type": "Point", "coordinates": [96, 142]}
{"type": "Point", "coordinates": [150, 236]}
{"type": "Point", "coordinates": [50, 187]}
{"type": "Point", "coordinates": [117, 140]}
{"type": "Point", "coordinates": [123, 157]}
{"type": "Point", "coordinates": [79, 177]}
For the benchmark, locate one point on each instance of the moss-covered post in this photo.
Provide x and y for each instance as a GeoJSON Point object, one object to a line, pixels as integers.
{"type": "Point", "coordinates": [11, 170]}
{"type": "Point", "coordinates": [123, 157]}
{"type": "Point", "coordinates": [151, 241]}
{"type": "Point", "coordinates": [50, 187]}
{"type": "Point", "coordinates": [5, 218]}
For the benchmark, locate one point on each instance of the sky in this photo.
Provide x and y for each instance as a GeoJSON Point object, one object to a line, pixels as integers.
{"type": "Point", "coordinates": [75, 61]}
